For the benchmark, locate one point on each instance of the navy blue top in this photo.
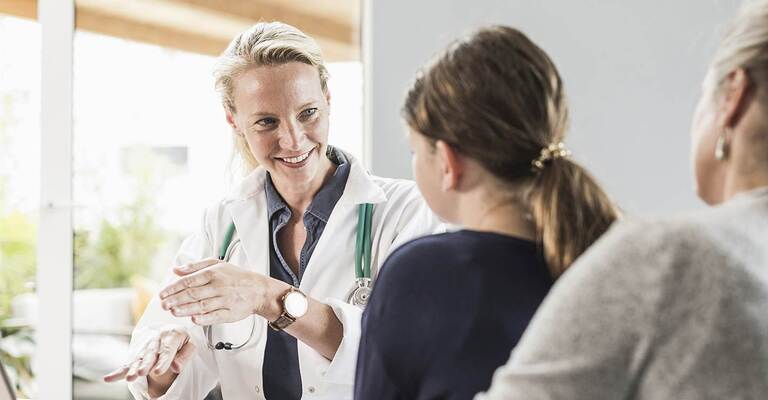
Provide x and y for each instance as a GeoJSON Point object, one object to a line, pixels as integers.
{"type": "Point", "coordinates": [445, 312]}
{"type": "Point", "coordinates": [280, 372]}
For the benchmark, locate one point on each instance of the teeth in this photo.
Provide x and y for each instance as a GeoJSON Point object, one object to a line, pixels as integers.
{"type": "Point", "coordinates": [296, 160]}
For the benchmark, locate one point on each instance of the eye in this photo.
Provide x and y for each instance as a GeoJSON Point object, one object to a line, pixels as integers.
{"type": "Point", "coordinates": [306, 114]}
{"type": "Point", "coordinates": [267, 122]}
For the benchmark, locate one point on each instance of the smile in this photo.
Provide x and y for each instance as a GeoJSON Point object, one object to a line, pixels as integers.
{"type": "Point", "coordinates": [296, 160]}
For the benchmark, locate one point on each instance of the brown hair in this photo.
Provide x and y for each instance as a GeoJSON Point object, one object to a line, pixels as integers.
{"type": "Point", "coordinates": [497, 97]}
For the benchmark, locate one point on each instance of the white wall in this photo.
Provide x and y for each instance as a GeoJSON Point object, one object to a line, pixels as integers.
{"type": "Point", "coordinates": [632, 69]}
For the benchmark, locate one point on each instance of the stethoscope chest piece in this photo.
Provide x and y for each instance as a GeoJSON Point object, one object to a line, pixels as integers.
{"type": "Point", "coordinates": [362, 293]}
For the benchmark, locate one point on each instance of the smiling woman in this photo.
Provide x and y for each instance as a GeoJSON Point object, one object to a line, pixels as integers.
{"type": "Point", "coordinates": [291, 262]}
{"type": "Point", "coordinates": [281, 112]}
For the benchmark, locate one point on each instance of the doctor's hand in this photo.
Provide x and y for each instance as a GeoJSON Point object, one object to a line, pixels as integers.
{"type": "Point", "coordinates": [161, 359]}
{"type": "Point", "coordinates": [214, 292]}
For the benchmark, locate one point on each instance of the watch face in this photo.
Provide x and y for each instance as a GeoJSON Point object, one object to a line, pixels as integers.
{"type": "Point", "coordinates": [296, 304]}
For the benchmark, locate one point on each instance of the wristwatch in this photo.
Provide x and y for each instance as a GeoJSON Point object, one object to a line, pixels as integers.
{"type": "Point", "coordinates": [295, 305]}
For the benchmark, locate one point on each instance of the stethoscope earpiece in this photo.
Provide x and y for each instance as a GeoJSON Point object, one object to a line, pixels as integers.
{"type": "Point", "coordinates": [222, 345]}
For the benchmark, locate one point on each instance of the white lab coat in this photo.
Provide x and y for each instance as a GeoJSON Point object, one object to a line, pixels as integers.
{"type": "Point", "coordinates": [400, 214]}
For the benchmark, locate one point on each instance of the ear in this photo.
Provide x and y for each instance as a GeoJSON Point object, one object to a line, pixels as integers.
{"type": "Point", "coordinates": [736, 98]}
{"type": "Point", "coordinates": [328, 99]}
{"type": "Point", "coordinates": [451, 165]}
{"type": "Point", "coordinates": [231, 122]}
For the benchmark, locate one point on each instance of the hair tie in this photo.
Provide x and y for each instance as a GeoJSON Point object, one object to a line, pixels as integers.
{"type": "Point", "coordinates": [549, 153]}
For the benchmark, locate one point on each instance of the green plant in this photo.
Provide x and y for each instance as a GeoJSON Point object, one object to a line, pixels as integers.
{"type": "Point", "coordinates": [17, 262]}
{"type": "Point", "coordinates": [16, 349]}
{"type": "Point", "coordinates": [125, 246]}
{"type": "Point", "coordinates": [120, 249]}
{"type": "Point", "coordinates": [17, 257]}
{"type": "Point", "coordinates": [17, 230]}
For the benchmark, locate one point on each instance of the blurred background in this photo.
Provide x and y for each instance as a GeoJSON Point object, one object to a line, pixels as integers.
{"type": "Point", "coordinates": [151, 149]}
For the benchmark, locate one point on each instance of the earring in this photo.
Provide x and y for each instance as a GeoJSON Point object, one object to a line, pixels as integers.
{"type": "Point", "coordinates": [721, 147]}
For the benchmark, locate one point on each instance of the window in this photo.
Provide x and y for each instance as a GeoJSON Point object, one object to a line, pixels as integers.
{"type": "Point", "coordinates": [19, 194]}
{"type": "Point", "coordinates": [150, 150]}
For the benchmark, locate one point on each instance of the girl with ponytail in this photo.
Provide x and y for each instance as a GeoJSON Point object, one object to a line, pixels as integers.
{"type": "Point", "coordinates": [487, 123]}
{"type": "Point", "coordinates": [674, 308]}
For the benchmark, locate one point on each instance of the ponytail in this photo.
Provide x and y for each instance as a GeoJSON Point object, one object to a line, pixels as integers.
{"type": "Point", "coordinates": [498, 98]}
{"type": "Point", "coordinates": [570, 212]}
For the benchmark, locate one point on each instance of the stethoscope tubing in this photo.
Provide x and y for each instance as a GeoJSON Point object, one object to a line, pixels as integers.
{"type": "Point", "coordinates": [363, 243]}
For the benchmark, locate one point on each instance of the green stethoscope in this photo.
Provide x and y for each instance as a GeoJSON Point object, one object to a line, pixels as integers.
{"type": "Point", "coordinates": [362, 253]}
{"type": "Point", "coordinates": [363, 257]}
{"type": "Point", "coordinates": [359, 296]}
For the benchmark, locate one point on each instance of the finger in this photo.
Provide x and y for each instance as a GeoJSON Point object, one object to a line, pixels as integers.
{"type": "Point", "coordinates": [149, 358]}
{"type": "Point", "coordinates": [196, 279]}
{"type": "Point", "coordinates": [169, 347]}
{"type": "Point", "coordinates": [182, 357]}
{"type": "Point", "coordinates": [134, 366]}
{"type": "Point", "coordinates": [146, 364]}
{"type": "Point", "coordinates": [116, 375]}
{"type": "Point", "coordinates": [189, 296]}
{"type": "Point", "coordinates": [163, 364]}
{"type": "Point", "coordinates": [200, 307]}
{"type": "Point", "coordinates": [213, 317]}
{"type": "Point", "coordinates": [150, 347]}
{"type": "Point", "coordinates": [187, 269]}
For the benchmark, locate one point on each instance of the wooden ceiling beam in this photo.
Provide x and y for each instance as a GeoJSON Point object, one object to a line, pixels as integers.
{"type": "Point", "coordinates": [200, 26]}
{"type": "Point", "coordinates": [265, 10]}
{"type": "Point", "coordinates": [108, 24]}
{"type": "Point", "coordinates": [19, 8]}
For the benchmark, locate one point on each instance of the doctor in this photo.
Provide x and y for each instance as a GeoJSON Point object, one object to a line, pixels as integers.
{"type": "Point", "coordinates": [277, 272]}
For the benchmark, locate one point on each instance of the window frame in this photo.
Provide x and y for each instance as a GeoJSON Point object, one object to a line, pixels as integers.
{"type": "Point", "coordinates": [55, 258]}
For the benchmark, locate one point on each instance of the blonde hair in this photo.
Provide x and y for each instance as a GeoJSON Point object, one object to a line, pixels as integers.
{"type": "Point", "coordinates": [266, 43]}
{"type": "Point", "coordinates": [745, 45]}
{"type": "Point", "coordinates": [497, 97]}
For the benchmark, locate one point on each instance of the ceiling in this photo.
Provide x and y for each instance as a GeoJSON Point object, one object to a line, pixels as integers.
{"type": "Point", "coordinates": [207, 26]}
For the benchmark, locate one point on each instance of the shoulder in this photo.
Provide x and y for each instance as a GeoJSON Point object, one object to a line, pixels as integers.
{"type": "Point", "coordinates": [217, 216]}
{"type": "Point", "coordinates": [667, 239]}
{"type": "Point", "coordinates": [652, 258]}
{"type": "Point", "coordinates": [405, 210]}
{"type": "Point", "coordinates": [398, 189]}
{"type": "Point", "coordinates": [425, 258]}
{"type": "Point", "coordinates": [416, 274]}
{"type": "Point", "coordinates": [440, 245]}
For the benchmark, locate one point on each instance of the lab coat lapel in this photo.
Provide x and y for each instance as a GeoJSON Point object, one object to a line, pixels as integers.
{"type": "Point", "coordinates": [360, 187]}
{"type": "Point", "coordinates": [336, 245]}
{"type": "Point", "coordinates": [248, 207]}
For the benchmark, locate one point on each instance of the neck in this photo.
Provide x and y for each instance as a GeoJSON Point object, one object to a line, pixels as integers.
{"type": "Point", "coordinates": [747, 166]}
{"type": "Point", "coordinates": [298, 198]}
{"type": "Point", "coordinates": [501, 214]}
{"type": "Point", "coordinates": [736, 183]}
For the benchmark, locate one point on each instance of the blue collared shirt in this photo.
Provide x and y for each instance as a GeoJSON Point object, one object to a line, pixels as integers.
{"type": "Point", "coordinates": [281, 375]}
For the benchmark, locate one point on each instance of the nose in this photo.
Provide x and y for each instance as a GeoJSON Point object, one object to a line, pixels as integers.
{"type": "Point", "coordinates": [292, 137]}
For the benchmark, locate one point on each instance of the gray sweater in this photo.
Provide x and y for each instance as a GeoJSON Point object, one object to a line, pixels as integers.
{"type": "Point", "coordinates": [672, 309]}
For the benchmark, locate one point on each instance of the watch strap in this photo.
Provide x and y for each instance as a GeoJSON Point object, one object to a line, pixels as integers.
{"type": "Point", "coordinates": [282, 322]}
